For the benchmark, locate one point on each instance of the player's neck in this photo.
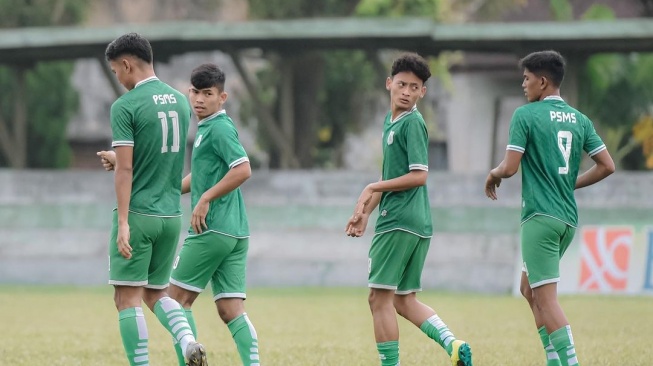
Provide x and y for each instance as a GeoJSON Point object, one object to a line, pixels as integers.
{"type": "Point", "coordinates": [550, 93]}
{"type": "Point", "coordinates": [395, 112]}
{"type": "Point", "coordinates": [143, 75]}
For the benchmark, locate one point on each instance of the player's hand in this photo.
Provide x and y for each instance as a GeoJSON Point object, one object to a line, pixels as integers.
{"type": "Point", "coordinates": [363, 200]}
{"type": "Point", "coordinates": [108, 159]}
{"type": "Point", "coordinates": [123, 241]}
{"type": "Point", "coordinates": [491, 185]}
{"type": "Point", "coordinates": [198, 220]}
{"type": "Point", "coordinates": [357, 228]}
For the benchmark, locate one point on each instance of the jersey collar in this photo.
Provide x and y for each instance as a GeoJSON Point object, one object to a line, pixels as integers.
{"type": "Point", "coordinates": [554, 97]}
{"type": "Point", "coordinates": [222, 111]}
{"type": "Point", "coordinates": [404, 114]}
{"type": "Point", "coordinates": [151, 78]}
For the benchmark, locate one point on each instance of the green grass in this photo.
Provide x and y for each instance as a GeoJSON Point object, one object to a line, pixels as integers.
{"type": "Point", "coordinates": [310, 327]}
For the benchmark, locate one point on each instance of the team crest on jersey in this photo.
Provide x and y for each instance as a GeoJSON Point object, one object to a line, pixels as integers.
{"type": "Point", "coordinates": [199, 139]}
{"type": "Point", "coordinates": [391, 137]}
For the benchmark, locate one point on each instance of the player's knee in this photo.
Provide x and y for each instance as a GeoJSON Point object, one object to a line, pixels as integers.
{"type": "Point", "coordinates": [230, 309]}
{"type": "Point", "coordinates": [379, 299]}
{"type": "Point", "coordinates": [402, 303]}
{"type": "Point", "coordinates": [526, 291]}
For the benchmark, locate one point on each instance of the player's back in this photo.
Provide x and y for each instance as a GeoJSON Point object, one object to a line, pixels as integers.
{"type": "Point", "coordinates": [555, 135]}
{"type": "Point", "coordinates": [155, 117]}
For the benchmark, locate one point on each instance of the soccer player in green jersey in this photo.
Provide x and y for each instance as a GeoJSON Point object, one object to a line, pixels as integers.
{"type": "Point", "coordinates": [404, 227]}
{"type": "Point", "coordinates": [149, 124]}
{"type": "Point", "coordinates": [216, 247]}
{"type": "Point", "coordinates": [547, 137]}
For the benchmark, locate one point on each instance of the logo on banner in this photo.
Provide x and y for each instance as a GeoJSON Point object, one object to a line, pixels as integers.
{"type": "Point", "coordinates": [605, 256]}
{"type": "Point", "coordinates": [648, 281]}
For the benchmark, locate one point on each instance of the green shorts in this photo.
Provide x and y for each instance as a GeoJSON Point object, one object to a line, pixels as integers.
{"type": "Point", "coordinates": [216, 257]}
{"type": "Point", "coordinates": [544, 240]}
{"type": "Point", "coordinates": [154, 242]}
{"type": "Point", "coordinates": [396, 260]}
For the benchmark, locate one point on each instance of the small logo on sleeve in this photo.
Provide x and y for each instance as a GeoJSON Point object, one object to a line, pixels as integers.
{"type": "Point", "coordinates": [199, 139]}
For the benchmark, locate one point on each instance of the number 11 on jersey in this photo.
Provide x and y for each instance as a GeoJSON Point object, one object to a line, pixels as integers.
{"type": "Point", "coordinates": [564, 144]}
{"type": "Point", "coordinates": [174, 117]}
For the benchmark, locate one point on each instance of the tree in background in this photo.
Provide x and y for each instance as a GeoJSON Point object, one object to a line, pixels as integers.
{"type": "Point", "coordinates": [328, 99]}
{"type": "Point", "coordinates": [38, 100]}
{"type": "Point", "coordinates": [616, 93]}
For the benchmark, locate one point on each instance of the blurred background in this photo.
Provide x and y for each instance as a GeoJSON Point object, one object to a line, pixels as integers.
{"type": "Point", "coordinates": [306, 88]}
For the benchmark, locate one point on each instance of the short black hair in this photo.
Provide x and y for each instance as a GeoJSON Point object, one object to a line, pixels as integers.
{"type": "Point", "coordinates": [130, 44]}
{"type": "Point", "coordinates": [550, 64]}
{"type": "Point", "coordinates": [207, 76]}
{"type": "Point", "coordinates": [412, 62]}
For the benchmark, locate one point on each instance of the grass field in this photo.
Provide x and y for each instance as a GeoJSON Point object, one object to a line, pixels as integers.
{"type": "Point", "coordinates": [78, 326]}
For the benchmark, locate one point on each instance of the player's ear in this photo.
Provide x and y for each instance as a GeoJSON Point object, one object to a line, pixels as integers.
{"type": "Point", "coordinates": [388, 82]}
{"type": "Point", "coordinates": [125, 65]}
{"type": "Point", "coordinates": [223, 96]}
{"type": "Point", "coordinates": [422, 92]}
{"type": "Point", "coordinates": [543, 82]}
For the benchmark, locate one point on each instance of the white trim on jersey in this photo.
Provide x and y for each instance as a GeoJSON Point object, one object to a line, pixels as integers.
{"type": "Point", "coordinates": [403, 114]}
{"type": "Point", "coordinates": [238, 162]}
{"type": "Point", "coordinates": [597, 150]}
{"type": "Point", "coordinates": [515, 148]}
{"type": "Point", "coordinates": [122, 143]}
{"type": "Point", "coordinates": [221, 233]}
{"type": "Point", "coordinates": [151, 78]}
{"type": "Point", "coordinates": [418, 167]}
{"type": "Point", "coordinates": [554, 97]}
{"type": "Point", "coordinates": [404, 230]}
{"type": "Point", "coordinates": [222, 111]}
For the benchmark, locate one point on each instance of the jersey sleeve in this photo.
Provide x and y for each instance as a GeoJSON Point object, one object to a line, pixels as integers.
{"type": "Point", "coordinates": [417, 142]}
{"type": "Point", "coordinates": [593, 143]}
{"type": "Point", "coordinates": [122, 127]}
{"type": "Point", "coordinates": [518, 135]}
{"type": "Point", "coordinates": [227, 146]}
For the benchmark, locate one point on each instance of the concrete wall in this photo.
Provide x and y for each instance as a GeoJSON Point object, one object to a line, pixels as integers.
{"type": "Point", "coordinates": [54, 227]}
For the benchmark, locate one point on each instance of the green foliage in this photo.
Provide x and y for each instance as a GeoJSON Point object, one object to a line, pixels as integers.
{"type": "Point", "coordinates": [561, 10]}
{"type": "Point", "coordinates": [398, 8]}
{"type": "Point", "coordinates": [616, 93]}
{"type": "Point", "coordinates": [289, 9]}
{"type": "Point", "coordinates": [51, 100]}
{"type": "Point", "coordinates": [35, 13]}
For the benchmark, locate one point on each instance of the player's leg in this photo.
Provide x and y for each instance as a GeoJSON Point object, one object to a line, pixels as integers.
{"type": "Point", "coordinates": [128, 276]}
{"type": "Point", "coordinates": [552, 358]}
{"type": "Point", "coordinates": [229, 293]}
{"type": "Point", "coordinates": [167, 310]}
{"type": "Point", "coordinates": [420, 314]}
{"type": "Point", "coordinates": [386, 263]}
{"type": "Point", "coordinates": [548, 240]}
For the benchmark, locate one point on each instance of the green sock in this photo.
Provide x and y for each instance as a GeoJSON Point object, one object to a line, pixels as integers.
{"type": "Point", "coordinates": [191, 321]}
{"type": "Point", "coordinates": [246, 340]}
{"type": "Point", "coordinates": [552, 358]}
{"type": "Point", "coordinates": [435, 328]}
{"type": "Point", "coordinates": [563, 343]}
{"type": "Point", "coordinates": [133, 332]}
{"type": "Point", "coordinates": [173, 318]}
{"type": "Point", "coordinates": [388, 353]}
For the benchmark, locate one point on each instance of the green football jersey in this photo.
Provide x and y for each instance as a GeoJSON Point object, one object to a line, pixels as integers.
{"type": "Point", "coordinates": [552, 136]}
{"type": "Point", "coordinates": [405, 148]}
{"type": "Point", "coordinates": [153, 118]}
{"type": "Point", "coordinates": [217, 150]}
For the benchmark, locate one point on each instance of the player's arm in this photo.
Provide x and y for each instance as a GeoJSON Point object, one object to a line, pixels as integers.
{"type": "Point", "coordinates": [508, 166]}
{"type": "Point", "coordinates": [604, 167]}
{"type": "Point", "coordinates": [185, 184]}
{"type": "Point", "coordinates": [236, 176]}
